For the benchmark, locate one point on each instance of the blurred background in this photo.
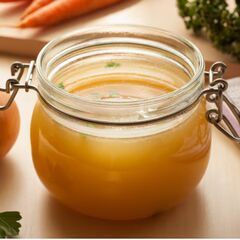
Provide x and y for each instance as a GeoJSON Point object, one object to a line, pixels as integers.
{"type": "Point", "coordinates": [157, 13]}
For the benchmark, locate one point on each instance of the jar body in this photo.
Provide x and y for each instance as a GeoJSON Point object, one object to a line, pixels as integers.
{"type": "Point", "coordinates": [120, 178]}
{"type": "Point", "coordinates": [120, 130]}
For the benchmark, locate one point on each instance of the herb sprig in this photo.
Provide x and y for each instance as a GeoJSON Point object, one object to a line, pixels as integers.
{"type": "Point", "coordinates": [9, 224]}
{"type": "Point", "coordinates": [61, 85]}
{"type": "Point", "coordinates": [112, 65]}
{"type": "Point", "coordinates": [214, 19]}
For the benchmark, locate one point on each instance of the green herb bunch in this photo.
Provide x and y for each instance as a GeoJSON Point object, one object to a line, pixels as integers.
{"type": "Point", "coordinates": [214, 18]}
{"type": "Point", "coordinates": [9, 225]}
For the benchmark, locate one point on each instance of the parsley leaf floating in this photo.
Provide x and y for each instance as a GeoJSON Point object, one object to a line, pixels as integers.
{"type": "Point", "coordinates": [112, 64]}
{"type": "Point", "coordinates": [9, 225]}
{"type": "Point", "coordinates": [61, 85]}
{"type": "Point", "coordinates": [114, 94]}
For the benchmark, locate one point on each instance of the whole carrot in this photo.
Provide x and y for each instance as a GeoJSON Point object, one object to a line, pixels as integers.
{"type": "Point", "coordinates": [34, 6]}
{"type": "Point", "coordinates": [60, 10]}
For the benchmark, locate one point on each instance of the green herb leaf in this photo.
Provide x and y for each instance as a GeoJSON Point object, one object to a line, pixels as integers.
{"type": "Point", "coordinates": [215, 20]}
{"type": "Point", "coordinates": [61, 85]}
{"type": "Point", "coordinates": [114, 94]}
{"type": "Point", "coordinates": [9, 225]}
{"type": "Point", "coordinates": [112, 65]}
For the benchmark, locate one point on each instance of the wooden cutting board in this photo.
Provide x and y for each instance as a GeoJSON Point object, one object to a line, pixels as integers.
{"type": "Point", "coordinates": [155, 13]}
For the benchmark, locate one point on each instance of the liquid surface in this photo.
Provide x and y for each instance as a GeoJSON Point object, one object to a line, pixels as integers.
{"type": "Point", "coordinates": [115, 89]}
{"type": "Point", "coordinates": [116, 92]}
{"type": "Point", "coordinates": [115, 178]}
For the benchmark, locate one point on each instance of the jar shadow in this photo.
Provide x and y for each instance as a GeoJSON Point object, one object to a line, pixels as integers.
{"type": "Point", "coordinates": [8, 179]}
{"type": "Point", "coordinates": [186, 220]}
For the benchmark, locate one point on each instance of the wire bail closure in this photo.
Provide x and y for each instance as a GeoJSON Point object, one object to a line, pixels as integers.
{"type": "Point", "coordinates": [226, 116]}
{"type": "Point", "coordinates": [13, 84]}
{"type": "Point", "coordinates": [218, 116]}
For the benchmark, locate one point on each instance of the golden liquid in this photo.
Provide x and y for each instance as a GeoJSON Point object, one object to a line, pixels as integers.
{"type": "Point", "coordinates": [120, 178]}
{"type": "Point", "coordinates": [118, 89]}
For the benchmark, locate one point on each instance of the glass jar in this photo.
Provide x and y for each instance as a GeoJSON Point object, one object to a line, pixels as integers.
{"type": "Point", "coordinates": [120, 157]}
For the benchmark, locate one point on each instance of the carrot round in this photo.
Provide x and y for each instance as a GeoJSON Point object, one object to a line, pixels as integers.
{"type": "Point", "coordinates": [60, 10]}
{"type": "Point", "coordinates": [34, 6]}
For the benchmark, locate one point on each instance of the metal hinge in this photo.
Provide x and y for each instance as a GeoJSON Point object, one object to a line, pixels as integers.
{"type": "Point", "coordinates": [225, 116]}
{"type": "Point", "coordinates": [13, 84]}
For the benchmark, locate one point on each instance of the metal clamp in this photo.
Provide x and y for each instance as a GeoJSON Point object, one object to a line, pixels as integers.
{"type": "Point", "coordinates": [13, 84]}
{"type": "Point", "coordinates": [226, 116]}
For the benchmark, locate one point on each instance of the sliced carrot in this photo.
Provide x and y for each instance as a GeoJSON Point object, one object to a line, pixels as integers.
{"type": "Point", "coordinates": [35, 5]}
{"type": "Point", "coordinates": [60, 10]}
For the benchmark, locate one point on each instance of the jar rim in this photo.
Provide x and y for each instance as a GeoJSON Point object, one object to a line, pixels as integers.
{"type": "Point", "coordinates": [173, 94]}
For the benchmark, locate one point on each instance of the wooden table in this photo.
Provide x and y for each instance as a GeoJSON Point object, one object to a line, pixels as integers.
{"type": "Point", "coordinates": [212, 210]}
